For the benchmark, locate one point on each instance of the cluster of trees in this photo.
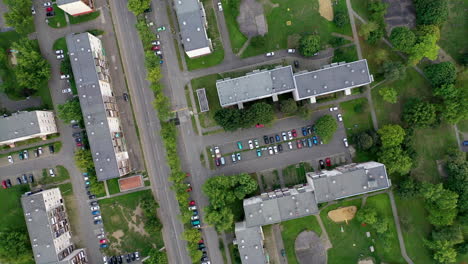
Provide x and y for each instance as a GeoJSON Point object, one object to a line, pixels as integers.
{"type": "Point", "coordinates": [157, 257]}
{"type": "Point", "coordinates": [15, 247]}
{"type": "Point", "coordinates": [431, 12]}
{"type": "Point", "coordinates": [232, 119]}
{"type": "Point", "coordinates": [19, 15]}
{"type": "Point", "coordinates": [138, 6]}
{"type": "Point", "coordinates": [309, 45]}
{"type": "Point", "coordinates": [32, 69]}
{"type": "Point", "coordinates": [457, 180]}
{"type": "Point", "coordinates": [290, 106]}
{"type": "Point", "coordinates": [340, 17]}
{"type": "Point", "coordinates": [84, 161]}
{"type": "Point", "coordinates": [224, 192]}
{"type": "Point", "coordinates": [152, 223]}
{"type": "Point", "coordinates": [418, 113]}
{"type": "Point", "coordinates": [71, 110]}
{"type": "Point", "coordinates": [326, 127]}
{"type": "Point", "coordinates": [392, 150]}
{"type": "Point", "coordinates": [380, 224]}
{"type": "Point", "coordinates": [374, 30]}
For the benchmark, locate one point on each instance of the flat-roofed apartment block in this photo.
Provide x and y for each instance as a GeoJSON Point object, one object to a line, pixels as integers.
{"type": "Point", "coordinates": [49, 229]}
{"type": "Point", "coordinates": [26, 125]}
{"type": "Point", "coordinates": [99, 107]}
{"type": "Point", "coordinates": [192, 26]}
{"type": "Point", "coordinates": [260, 84]}
{"type": "Point", "coordinates": [76, 7]}
{"type": "Point", "coordinates": [287, 204]}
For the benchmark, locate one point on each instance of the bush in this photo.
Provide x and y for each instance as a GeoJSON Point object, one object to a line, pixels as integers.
{"type": "Point", "coordinates": [441, 73]}
{"type": "Point", "coordinates": [257, 41]}
{"type": "Point", "coordinates": [326, 127]}
{"type": "Point", "coordinates": [340, 18]}
{"type": "Point", "coordinates": [309, 45]}
{"type": "Point", "coordinates": [288, 106]}
{"type": "Point", "coordinates": [389, 94]}
{"type": "Point", "coordinates": [431, 12]}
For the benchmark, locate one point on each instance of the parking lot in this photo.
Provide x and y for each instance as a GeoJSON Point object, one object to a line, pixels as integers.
{"type": "Point", "coordinates": [291, 152]}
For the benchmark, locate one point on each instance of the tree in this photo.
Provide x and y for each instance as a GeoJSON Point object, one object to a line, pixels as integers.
{"type": "Point", "coordinates": [364, 141]}
{"type": "Point", "coordinates": [453, 234]}
{"type": "Point", "coordinates": [288, 106]}
{"type": "Point", "coordinates": [443, 73]}
{"type": "Point", "coordinates": [19, 16]}
{"type": "Point", "coordinates": [304, 112]}
{"type": "Point", "coordinates": [367, 29]}
{"type": "Point", "coordinates": [84, 160]}
{"type": "Point", "coordinates": [367, 215]}
{"type": "Point", "coordinates": [380, 55]}
{"type": "Point", "coordinates": [191, 235]}
{"type": "Point", "coordinates": [228, 118]}
{"type": "Point", "coordinates": [419, 113]}
{"type": "Point", "coordinates": [32, 69]}
{"type": "Point", "coordinates": [443, 251]}
{"type": "Point", "coordinates": [440, 203]}
{"type": "Point", "coordinates": [261, 113]}
{"type": "Point", "coordinates": [138, 6]}
{"type": "Point", "coordinates": [393, 70]}
{"type": "Point", "coordinates": [309, 45]}
{"type": "Point", "coordinates": [381, 226]}
{"type": "Point", "coordinates": [221, 218]}
{"type": "Point", "coordinates": [71, 110]}
{"type": "Point", "coordinates": [326, 127]}
{"type": "Point", "coordinates": [455, 102]}
{"type": "Point", "coordinates": [14, 247]}
{"type": "Point", "coordinates": [457, 180]}
{"type": "Point", "coordinates": [431, 12]}
{"type": "Point", "coordinates": [157, 257]}
{"type": "Point", "coordinates": [154, 74]}
{"type": "Point", "coordinates": [340, 18]}
{"type": "Point", "coordinates": [408, 188]}
{"type": "Point", "coordinates": [426, 44]}
{"type": "Point", "coordinates": [389, 94]}
{"type": "Point", "coordinates": [391, 135]}
{"type": "Point", "coordinates": [395, 160]}
{"type": "Point", "coordinates": [403, 39]}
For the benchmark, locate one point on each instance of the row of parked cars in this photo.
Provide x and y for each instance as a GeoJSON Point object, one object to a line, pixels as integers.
{"type": "Point", "coordinates": [20, 180]}
{"type": "Point", "coordinates": [121, 258]}
{"type": "Point", "coordinates": [24, 154]}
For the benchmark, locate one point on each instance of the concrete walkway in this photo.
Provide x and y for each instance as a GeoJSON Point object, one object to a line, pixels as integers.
{"type": "Point", "coordinates": [124, 193]}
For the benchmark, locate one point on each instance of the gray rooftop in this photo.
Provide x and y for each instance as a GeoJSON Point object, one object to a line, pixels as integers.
{"type": "Point", "coordinates": [38, 228]}
{"type": "Point", "coordinates": [332, 78]}
{"type": "Point", "coordinates": [92, 105]}
{"type": "Point", "coordinates": [250, 243]}
{"type": "Point", "coordinates": [255, 85]}
{"type": "Point", "coordinates": [18, 125]}
{"type": "Point", "coordinates": [348, 180]}
{"type": "Point", "coordinates": [190, 16]}
{"type": "Point", "coordinates": [280, 205]}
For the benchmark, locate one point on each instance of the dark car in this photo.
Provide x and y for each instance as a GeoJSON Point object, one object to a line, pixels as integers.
{"type": "Point", "coordinates": [201, 245]}
{"type": "Point", "coordinates": [119, 259]}
{"type": "Point", "coordinates": [217, 162]}
{"type": "Point", "coordinates": [296, 64]}
{"type": "Point", "coordinates": [309, 129]}
{"type": "Point", "coordinates": [92, 197]}
{"type": "Point", "coordinates": [304, 131]}
{"type": "Point", "coordinates": [280, 148]}
{"type": "Point", "coordinates": [278, 138]}
{"type": "Point", "coordinates": [18, 180]}
{"type": "Point", "coordinates": [93, 203]}
{"type": "Point", "coordinates": [21, 156]}
{"type": "Point", "coordinates": [133, 256]}
{"type": "Point", "coordinates": [322, 164]}
{"type": "Point", "coordinates": [125, 96]}
{"type": "Point", "coordinates": [265, 138]}
{"type": "Point", "coordinates": [194, 212]}
{"type": "Point", "coordinates": [88, 192]}
{"type": "Point", "coordinates": [51, 149]}
{"type": "Point", "coordinates": [309, 142]}
{"type": "Point", "coordinates": [49, 14]}
{"type": "Point", "coordinates": [97, 222]}
{"type": "Point", "coordinates": [205, 258]}
{"type": "Point", "coordinates": [25, 178]}
{"type": "Point", "coordinates": [31, 178]}
{"type": "Point", "coordinates": [272, 139]}
{"type": "Point", "coordinates": [129, 258]}
{"type": "Point", "coordinates": [8, 183]}
{"type": "Point", "coordinates": [76, 126]}
{"type": "Point", "coordinates": [77, 134]}
{"type": "Point", "coordinates": [78, 139]}
{"type": "Point", "coordinates": [283, 252]}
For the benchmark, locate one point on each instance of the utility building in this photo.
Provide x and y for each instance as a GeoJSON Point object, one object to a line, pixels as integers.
{"type": "Point", "coordinates": [76, 7]}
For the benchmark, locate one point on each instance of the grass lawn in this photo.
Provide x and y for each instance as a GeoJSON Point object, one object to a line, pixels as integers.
{"type": "Point", "coordinates": [12, 213]}
{"type": "Point", "coordinates": [230, 12]}
{"type": "Point", "coordinates": [84, 18]}
{"type": "Point", "coordinates": [415, 228]}
{"type": "Point", "coordinates": [113, 186]}
{"type": "Point", "coordinates": [303, 17]}
{"type": "Point", "coordinates": [70, 204]}
{"type": "Point", "coordinates": [369, 52]}
{"type": "Point", "coordinates": [58, 20]}
{"type": "Point", "coordinates": [463, 126]}
{"type": "Point", "coordinates": [345, 54]}
{"type": "Point", "coordinates": [60, 44]}
{"type": "Point", "coordinates": [292, 228]}
{"type": "Point", "coordinates": [431, 145]}
{"type": "Point", "coordinates": [360, 6]}
{"type": "Point", "coordinates": [296, 174]}
{"type": "Point", "coordinates": [412, 86]}
{"type": "Point", "coordinates": [235, 256]}
{"type": "Point", "coordinates": [217, 56]}
{"type": "Point", "coordinates": [453, 34]}
{"type": "Point", "coordinates": [61, 174]}
{"type": "Point", "coordinates": [209, 83]}
{"type": "Point", "coordinates": [356, 116]}
{"type": "Point", "coordinates": [122, 218]}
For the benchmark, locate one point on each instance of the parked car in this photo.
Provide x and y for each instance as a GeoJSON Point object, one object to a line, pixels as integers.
{"type": "Point", "coordinates": [270, 54]}
{"type": "Point", "coordinates": [275, 149]}
{"type": "Point", "coordinates": [345, 141]}
{"type": "Point", "coordinates": [194, 217]}
{"type": "Point", "coordinates": [137, 255]}
{"type": "Point", "coordinates": [97, 217]}
{"type": "Point", "coordinates": [196, 226]}
{"type": "Point", "coordinates": [238, 155]}
{"type": "Point", "coordinates": [233, 157]}
{"type": "Point", "coordinates": [51, 149]}
{"type": "Point", "coordinates": [192, 208]}
{"type": "Point", "coordinates": [92, 197]}
{"type": "Point", "coordinates": [223, 162]}
{"type": "Point", "coordinates": [251, 146]}
{"type": "Point", "coordinates": [33, 11]}
{"type": "Point", "coordinates": [24, 178]}
{"type": "Point", "coordinates": [4, 185]}
{"type": "Point", "coordinates": [265, 139]}
{"type": "Point", "coordinates": [162, 28]}
{"type": "Point", "coordinates": [192, 202]}
{"type": "Point", "coordinates": [189, 187]}
{"type": "Point", "coordinates": [102, 241]}
{"type": "Point", "coordinates": [272, 140]}
{"type": "Point", "coordinates": [321, 164]}
{"type": "Point", "coordinates": [314, 138]}
{"type": "Point", "coordinates": [125, 96]}
{"type": "Point", "coordinates": [95, 212]}
{"type": "Point", "coordinates": [278, 138]}
{"type": "Point", "coordinates": [77, 134]}
{"type": "Point", "coordinates": [296, 64]}
{"type": "Point", "coordinates": [195, 222]}
{"type": "Point", "coordinates": [10, 159]}
{"type": "Point", "coordinates": [259, 153]}
{"type": "Point", "coordinates": [304, 131]}
{"type": "Point", "coordinates": [270, 150]}
{"type": "Point", "coordinates": [294, 133]}
{"type": "Point", "coordinates": [201, 245]}
{"type": "Point", "coordinates": [76, 126]}
{"type": "Point", "coordinates": [280, 147]}
{"type": "Point", "coordinates": [79, 144]}
{"type": "Point", "coordinates": [256, 143]}
{"type": "Point", "coordinates": [156, 43]}
{"type": "Point", "coordinates": [18, 180]}
{"type": "Point", "coordinates": [20, 155]}
{"type": "Point", "coordinates": [220, 7]}
{"type": "Point", "coordinates": [46, 4]}
{"type": "Point", "coordinates": [340, 118]}
{"type": "Point", "coordinates": [64, 76]}
{"type": "Point", "coordinates": [283, 252]}
{"type": "Point", "coordinates": [103, 245]}
{"type": "Point", "coordinates": [59, 57]}
{"type": "Point", "coordinates": [309, 130]}
{"type": "Point", "coordinates": [333, 109]}
{"type": "Point", "coordinates": [328, 162]}
{"type": "Point", "coordinates": [93, 203]}
{"type": "Point", "coordinates": [284, 136]}
{"type": "Point", "coordinates": [39, 150]}
{"type": "Point", "coordinates": [31, 178]}
{"type": "Point", "coordinates": [51, 172]}
{"type": "Point", "coordinates": [291, 51]}
{"type": "Point", "coordinates": [8, 183]}
{"type": "Point", "coordinates": [290, 145]}
{"type": "Point", "coordinates": [66, 90]}
{"type": "Point", "coordinates": [26, 154]}
{"type": "Point", "coordinates": [94, 208]}
{"type": "Point", "coordinates": [309, 142]}
{"type": "Point", "coordinates": [57, 52]}
{"type": "Point", "coordinates": [239, 145]}
{"type": "Point", "coordinates": [217, 162]}
{"type": "Point", "coordinates": [299, 144]}
{"type": "Point", "coordinates": [155, 48]}
{"type": "Point", "coordinates": [195, 212]}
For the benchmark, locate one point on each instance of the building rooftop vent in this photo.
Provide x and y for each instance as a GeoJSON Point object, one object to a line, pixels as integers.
{"type": "Point", "coordinates": [188, 39]}
{"type": "Point", "coordinates": [315, 76]}
{"type": "Point", "coordinates": [308, 90]}
{"type": "Point", "coordinates": [325, 87]}
{"type": "Point", "coordinates": [364, 187]}
{"type": "Point", "coordinates": [100, 169]}
{"type": "Point", "coordinates": [363, 71]}
{"type": "Point", "coordinates": [198, 29]}
{"type": "Point", "coordinates": [184, 23]}
{"type": "Point", "coordinates": [77, 40]}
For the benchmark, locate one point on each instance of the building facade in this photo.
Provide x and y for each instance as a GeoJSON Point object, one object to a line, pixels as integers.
{"type": "Point", "coordinates": [99, 107]}
{"type": "Point", "coordinates": [192, 27]}
{"type": "Point", "coordinates": [26, 125]}
{"type": "Point", "coordinates": [49, 229]}
{"type": "Point", "coordinates": [76, 7]}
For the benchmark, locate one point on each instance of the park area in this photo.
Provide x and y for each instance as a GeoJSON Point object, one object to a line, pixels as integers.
{"type": "Point", "coordinates": [127, 220]}
{"type": "Point", "coordinates": [453, 34]}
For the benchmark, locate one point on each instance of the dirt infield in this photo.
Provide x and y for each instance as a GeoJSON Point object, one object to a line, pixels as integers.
{"type": "Point", "coordinates": [326, 9]}
{"type": "Point", "coordinates": [130, 183]}
{"type": "Point", "coordinates": [342, 214]}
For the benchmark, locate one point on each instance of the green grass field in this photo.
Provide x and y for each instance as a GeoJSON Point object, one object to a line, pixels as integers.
{"type": "Point", "coordinates": [356, 116]}
{"type": "Point", "coordinates": [463, 126]}
{"type": "Point", "coordinates": [58, 20]}
{"type": "Point", "coordinates": [217, 56]}
{"type": "Point", "coordinates": [296, 174]}
{"type": "Point", "coordinates": [209, 83]}
{"type": "Point", "coordinates": [124, 226]}
{"type": "Point", "coordinates": [303, 17]}
{"type": "Point", "coordinates": [61, 174]}
{"type": "Point", "coordinates": [360, 6]}
{"type": "Point", "coordinates": [230, 13]}
{"type": "Point", "coordinates": [12, 212]}
{"type": "Point", "coordinates": [292, 228]}
{"type": "Point", "coordinates": [453, 34]}
{"type": "Point", "coordinates": [113, 186]}
{"type": "Point", "coordinates": [60, 44]}
{"type": "Point", "coordinates": [345, 54]}
{"type": "Point", "coordinates": [369, 52]}
{"type": "Point", "coordinates": [84, 18]}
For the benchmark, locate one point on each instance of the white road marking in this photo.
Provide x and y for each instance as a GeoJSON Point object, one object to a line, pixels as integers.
{"type": "Point", "coordinates": [113, 58]}
{"type": "Point", "coordinates": [103, 19]}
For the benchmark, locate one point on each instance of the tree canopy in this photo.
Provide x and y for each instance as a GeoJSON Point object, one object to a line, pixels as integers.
{"type": "Point", "coordinates": [441, 204]}
{"type": "Point", "coordinates": [367, 215]}
{"type": "Point", "coordinates": [443, 73]}
{"type": "Point", "coordinates": [14, 247]}
{"type": "Point", "coordinates": [393, 70]}
{"type": "Point", "coordinates": [431, 12]}
{"type": "Point", "coordinates": [138, 6]}
{"type": "Point", "coordinates": [340, 18]}
{"type": "Point", "coordinates": [395, 159]}
{"type": "Point", "coordinates": [71, 110]}
{"type": "Point", "coordinates": [391, 135]}
{"type": "Point", "coordinates": [364, 141]}
{"type": "Point", "coordinates": [402, 38]}
{"type": "Point", "coordinates": [19, 16]}
{"type": "Point", "coordinates": [232, 118]}
{"type": "Point", "coordinates": [389, 94]}
{"type": "Point", "coordinates": [457, 180]}
{"type": "Point", "coordinates": [288, 106]}
{"type": "Point", "coordinates": [84, 160]}
{"type": "Point", "coordinates": [454, 102]}
{"type": "Point", "coordinates": [419, 113]}
{"type": "Point", "coordinates": [326, 127]}
{"type": "Point", "coordinates": [309, 45]}
{"type": "Point", "coordinates": [157, 257]}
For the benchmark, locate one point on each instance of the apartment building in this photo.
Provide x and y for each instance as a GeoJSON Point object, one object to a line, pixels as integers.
{"type": "Point", "coordinates": [49, 229]}
{"type": "Point", "coordinates": [99, 107]}
{"type": "Point", "coordinates": [26, 125]}
{"type": "Point", "coordinates": [76, 7]}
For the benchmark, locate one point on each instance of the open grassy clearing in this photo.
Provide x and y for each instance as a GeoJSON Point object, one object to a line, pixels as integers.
{"type": "Point", "coordinates": [58, 20]}
{"type": "Point", "coordinates": [217, 56]}
{"type": "Point", "coordinates": [360, 6]}
{"type": "Point", "coordinates": [303, 17]}
{"type": "Point", "coordinates": [60, 44]}
{"type": "Point", "coordinates": [122, 218]}
{"type": "Point", "coordinates": [84, 18]}
{"type": "Point", "coordinates": [296, 173]}
{"type": "Point", "coordinates": [12, 213]}
{"type": "Point", "coordinates": [453, 34]}
{"type": "Point", "coordinates": [70, 204]}
{"type": "Point", "coordinates": [113, 186]}
{"type": "Point", "coordinates": [463, 126]}
{"type": "Point", "coordinates": [292, 228]}
{"type": "Point", "coordinates": [356, 116]}
{"type": "Point", "coordinates": [230, 11]}
{"type": "Point", "coordinates": [61, 174]}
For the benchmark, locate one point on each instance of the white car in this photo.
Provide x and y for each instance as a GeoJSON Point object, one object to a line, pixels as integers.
{"type": "Point", "coordinates": [64, 76]}
{"type": "Point", "coordinates": [156, 43]}
{"type": "Point", "coordinates": [217, 152]}
{"type": "Point", "coordinates": [158, 52]}
{"type": "Point", "coordinates": [345, 141]}
{"type": "Point", "coordinates": [39, 150]}
{"type": "Point", "coordinates": [275, 149]}
{"type": "Point", "coordinates": [285, 138]}
{"type": "Point", "coordinates": [137, 256]}
{"type": "Point", "coordinates": [100, 236]}
{"type": "Point", "coordinates": [33, 11]}
{"type": "Point", "coordinates": [195, 217]}
{"type": "Point", "coordinates": [333, 109]}
{"type": "Point", "coordinates": [270, 150]}
{"type": "Point", "coordinates": [85, 178]}
{"type": "Point", "coordinates": [197, 226]}
{"type": "Point", "coordinates": [270, 54]}
{"type": "Point", "coordinates": [251, 146]}
{"type": "Point", "coordinates": [94, 208]}
{"type": "Point", "coordinates": [192, 208]}
{"type": "Point", "coordinates": [290, 145]}
{"type": "Point", "coordinates": [290, 135]}
{"type": "Point", "coordinates": [340, 118]}
{"type": "Point", "coordinates": [66, 90]}
{"type": "Point", "coordinates": [61, 56]}
{"type": "Point", "coordinates": [220, 7]}
{"type": "Point", "coordinates": [57, 52]}
{"type": "Point", "coordinates": [97, 217]}
{"type": "Point", "coordinates": [25, 154]}
{"type": "Point", "coordinates": [10, 159]}
{"type": "Point", "coordinates": [104, 260]}
{"type": "Point", "coordinates": [291, 51]}
{"type": "Point", "coordinates": [256, 143]}
{"type": "Point", "coordinates": [51, 172]}
{"type": "Point", "coordinates": [46, 4]}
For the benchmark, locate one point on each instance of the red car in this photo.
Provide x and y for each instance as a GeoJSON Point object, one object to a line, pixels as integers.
{"type": "Point", "coordinates": [4, 185]}
{"type": "Point", "coordinates": [299, 144]}
{"type": "Point", "coordinates": [259, 125]}
{"type": "Point", "coordinates": [201, 241]}
{"type": "Point", "coordinates": [294, 133]}
{"type": "Point", "coordinates": [102, 241]}
{"type": "Point", "coordinates": [187, 174]}
{"type": "Point", "coordinates": [189, 188]}
{"type": "Point", "coordinates": [328, 162]}
{"type": "Point", "coordinates": [191, 203]}
{"type": "Point", "coordinates": [79, 144]}
{"type": "Point", "coordinates": [49, 9]}
{"type": "Point", "coordinates": [155, 48]}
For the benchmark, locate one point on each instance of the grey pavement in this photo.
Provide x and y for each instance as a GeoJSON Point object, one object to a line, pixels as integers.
{"type": "Point", "coordinates": [279, 243]}
{"type": "Point", "coordinates": [13, 106]}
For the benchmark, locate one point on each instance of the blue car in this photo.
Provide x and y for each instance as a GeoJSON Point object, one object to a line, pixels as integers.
{"type": "Point", "coordinates": [87, 182]}
{"type": "Point", "coordinates": [304, 131]}
{"type": "Point", "coordinates": [315, 140]}
{"type": "Point", "coordinates": [195, 212]}
{"type": "Point", "coordinates": [278, 139]}
{"type": "Point", "coordinates": [259, 153]}
{"type": "Point", "coordinates": [309, 142]}
{"type": "Point", "coordinates": [103, 246]}
{"type": "Point", "coordinates": [95, 212]}
{"type": "Point", "coordinates": [196, 222]}
{"type": "Point", "coordinates": [85, 174]}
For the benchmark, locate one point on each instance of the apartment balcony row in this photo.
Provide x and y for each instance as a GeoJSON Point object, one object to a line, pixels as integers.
{"type": "Point", "coordinates": [124, 166]}
{"type": "Point", "coordinates": [64, 253]}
